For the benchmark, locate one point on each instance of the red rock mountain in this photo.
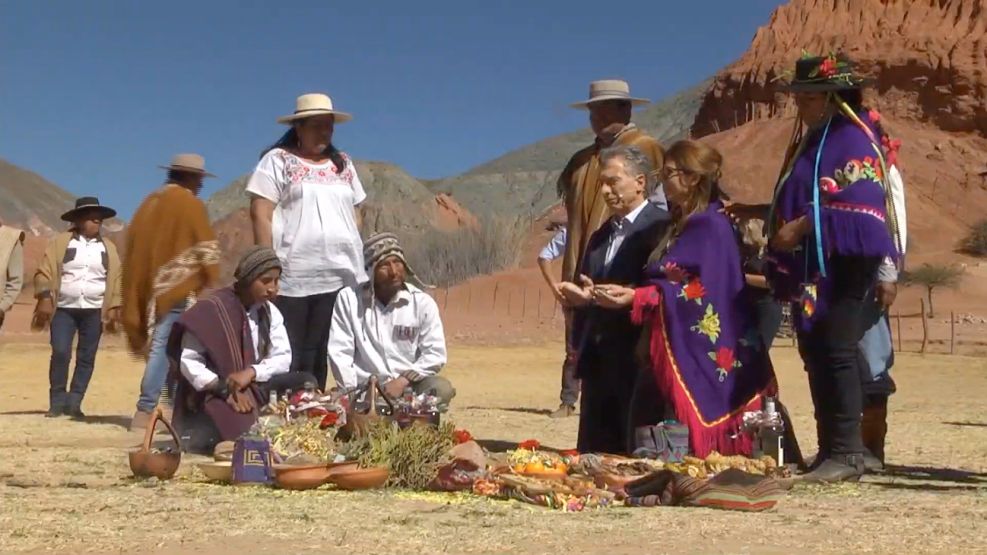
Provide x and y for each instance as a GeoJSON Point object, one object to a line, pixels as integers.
{"type": "Point", "coordinates": [928, 60]}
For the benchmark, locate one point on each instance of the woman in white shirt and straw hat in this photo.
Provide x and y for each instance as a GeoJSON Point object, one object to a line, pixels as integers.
{"type": "Point", "coordinates": [304, 197]}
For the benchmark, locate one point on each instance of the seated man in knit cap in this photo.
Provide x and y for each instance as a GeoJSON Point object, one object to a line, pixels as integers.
{"type": "Point", "coordinates": [389, 328]}
{"type": "Point", "coordinates": [230, 351]}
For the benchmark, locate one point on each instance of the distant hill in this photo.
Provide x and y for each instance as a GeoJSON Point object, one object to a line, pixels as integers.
{"type": "Point", "coordinates": [30, 201]}
{"type": "Point", "coordinates": [523, 181]}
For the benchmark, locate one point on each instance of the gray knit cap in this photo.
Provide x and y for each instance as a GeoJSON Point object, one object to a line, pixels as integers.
{"type": "Point", "coordinates": [381, 246]}
{"type": "Point", "coordinates": [254, 263]}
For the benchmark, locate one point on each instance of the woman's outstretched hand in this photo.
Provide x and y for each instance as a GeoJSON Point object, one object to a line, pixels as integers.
{"type": "Point", "coordinates": [613, 296]}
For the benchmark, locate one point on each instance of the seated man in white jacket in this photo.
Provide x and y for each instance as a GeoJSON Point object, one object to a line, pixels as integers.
{"type": "Point", "coordinates": [388, 328]}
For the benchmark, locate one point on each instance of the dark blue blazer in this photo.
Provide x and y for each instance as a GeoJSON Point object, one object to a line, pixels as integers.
{"type": "Point", "coordinates": [606, 339]}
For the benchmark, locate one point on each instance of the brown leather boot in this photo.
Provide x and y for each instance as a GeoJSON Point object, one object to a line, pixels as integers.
{"type": "Point", "coordinates": [874, 426]}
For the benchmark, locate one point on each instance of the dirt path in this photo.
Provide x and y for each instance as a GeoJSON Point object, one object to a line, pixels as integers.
{"type": "Point", "coordinates": [64, 486]}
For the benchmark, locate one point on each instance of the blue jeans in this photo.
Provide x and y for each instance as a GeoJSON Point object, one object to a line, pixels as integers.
{"type": "Point", "coordinates": [88, 322]}
{"type": "Point", "coordinates": [156, 371]}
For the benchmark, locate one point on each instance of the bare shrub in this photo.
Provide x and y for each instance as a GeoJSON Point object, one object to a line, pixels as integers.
{"type": "Point", "coordinates": [934, 277]}
{"type": "Point", "coordinates": [446, 258]}
{"type": "Point", "coordinates": [976, 242]}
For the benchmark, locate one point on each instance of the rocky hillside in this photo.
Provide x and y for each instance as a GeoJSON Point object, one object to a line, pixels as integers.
{"type": "Point", "coordinates": [31, 202]}
{"type": "Point", "coordinates": [928, 62]}
{"type": "Point", "coordinates": [523, 181]}
{"type": "Point", "coordinates": [927, 57]}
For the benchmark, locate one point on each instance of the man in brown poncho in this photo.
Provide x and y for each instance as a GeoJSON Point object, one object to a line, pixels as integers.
{"type": "Point", "coordinates": [172, 255]}
{"type": "Point", "coordinates": [609, 105]}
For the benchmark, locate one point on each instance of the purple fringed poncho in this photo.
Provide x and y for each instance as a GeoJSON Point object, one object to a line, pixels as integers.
{"type": "Point", "coordinates": [852, 215]}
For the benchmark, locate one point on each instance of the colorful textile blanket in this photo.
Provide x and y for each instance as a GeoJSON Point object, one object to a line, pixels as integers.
{"type": "Point", "coordinates": [708, 357]}
{"type": "Point", "coordinates": [730, 490]}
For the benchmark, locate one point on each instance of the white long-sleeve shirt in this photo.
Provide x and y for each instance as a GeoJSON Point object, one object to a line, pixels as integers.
{"type": "Point", "coordinates": [277, 361]}
{"type": "Point", "coordinates": [403, 338]}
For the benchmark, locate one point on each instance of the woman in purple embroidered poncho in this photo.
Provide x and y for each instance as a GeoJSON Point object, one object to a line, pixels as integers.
{"type": "Point", "coordinates": [829, 233]}
{"type": "Point", "coordinates": [708, 364]}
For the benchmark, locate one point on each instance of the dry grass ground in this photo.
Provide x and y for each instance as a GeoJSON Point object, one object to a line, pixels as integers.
{"type": "Point", "coordinates": [65, 486]}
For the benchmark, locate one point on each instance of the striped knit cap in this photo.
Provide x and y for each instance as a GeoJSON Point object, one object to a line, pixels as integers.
{"type": "Point", "coordinates": [254, 263]}
{"type": "Point", "coordinates": [381, 246]}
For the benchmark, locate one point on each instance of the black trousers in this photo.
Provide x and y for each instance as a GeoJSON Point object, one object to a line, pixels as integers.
{"type": "Point", "coordinates": [307, 320]}
{"type": "Point", "coordinates": [604, 411]}
{"type": "Point", "coordinates": [832, 358]}
{"type": "Point", "coordinates": [769, 316]}
{"type": "Point", "coordinates": [65, 324]}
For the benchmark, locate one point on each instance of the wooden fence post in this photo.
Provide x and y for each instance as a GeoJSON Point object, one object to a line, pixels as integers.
{"type": "Point", "coordinates": [469, 297]}
{"type": "Point", "coordinates": [524, 302]}
{"type": "Point", "coordinates": [952, 333]}
{"type": "Point", "coordinates": [898, 318]}
{"type": "Point", "coordinates": [496, 289]}
{"type": "Point", "coordinates": [510, 298]}
{"type": "Point", "coordinates": [925, 328]}
{"type": "Point", "coordinates": [445, 302]}
{"type": "Point", "coordinates": [539, 303]}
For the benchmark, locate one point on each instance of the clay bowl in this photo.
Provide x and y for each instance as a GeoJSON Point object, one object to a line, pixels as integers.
{"type": "Point", "coordinates": [148, 464]}
{"type": "Point", "coordinates": [301, 477]}
{"type": "Point", "coordinates": [361, 478]}
{"type": "Point", "coordinates": [341, 468]}
{"type": "Point", "coordinates": [219, 471]}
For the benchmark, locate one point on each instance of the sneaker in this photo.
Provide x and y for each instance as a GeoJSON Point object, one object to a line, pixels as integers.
{"type": "Point", "coordinates": [140, 420]}
{"type": "Point", "coordinates": [837, 468]}
{"type": "Point", "coordinates": [564, 411]}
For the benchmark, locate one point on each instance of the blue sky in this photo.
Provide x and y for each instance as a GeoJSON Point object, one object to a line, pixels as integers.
{"type": "Point", "coordinates": [95, 95]}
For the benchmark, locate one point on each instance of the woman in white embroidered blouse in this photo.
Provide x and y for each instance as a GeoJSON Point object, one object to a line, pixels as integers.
{"type": "Point", "coordinates": [304, 197]}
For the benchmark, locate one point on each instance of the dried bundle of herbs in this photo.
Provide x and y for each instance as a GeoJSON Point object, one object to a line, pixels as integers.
{"type": "Point", "coordinates": [413, 455]}
{"type": "Point", "coordinates": [301, 440]}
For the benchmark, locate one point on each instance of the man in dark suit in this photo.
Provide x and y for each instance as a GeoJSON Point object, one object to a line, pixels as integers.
{"type": "Point", "coordinates": [605, 340]}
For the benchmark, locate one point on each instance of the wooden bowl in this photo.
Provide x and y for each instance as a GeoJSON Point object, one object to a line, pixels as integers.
{"type": "Point", "coordinates": [148, 464]}
{"type": "Point", "coordinates": [361, 478]}
{"type": "Point", "coordinates": [219, 471]}
{"type": "Point", "coordinates": [301, 477]}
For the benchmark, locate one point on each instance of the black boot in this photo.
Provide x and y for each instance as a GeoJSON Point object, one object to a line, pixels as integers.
{"type": "Point", "coordinates": [837, 468]}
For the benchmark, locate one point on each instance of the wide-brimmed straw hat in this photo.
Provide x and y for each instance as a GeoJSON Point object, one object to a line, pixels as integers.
{"type": "Point", "coordinates": [834, 72]}
{"type": "Point", "coordinates": [610, 89]}
{"type": "Point", "coordinates": [84, 204]}
{"type": "Point", "coordinates": [191, 163]}
{"type": "Point", "coordinates": [314, 104]}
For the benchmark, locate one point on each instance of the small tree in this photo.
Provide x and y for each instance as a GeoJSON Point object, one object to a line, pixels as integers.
{"type": "Point", "coordinates": [934, 277]}
{"type": "Point", "coordinates": [976, 242]}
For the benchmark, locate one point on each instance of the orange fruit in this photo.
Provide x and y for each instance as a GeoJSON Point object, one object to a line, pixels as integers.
{"type": "Point", "coordinates": [535, 466]}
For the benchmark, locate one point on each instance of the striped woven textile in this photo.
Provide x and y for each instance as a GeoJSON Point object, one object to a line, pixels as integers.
{"type": "Point", "coordinates": [731, 489]}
